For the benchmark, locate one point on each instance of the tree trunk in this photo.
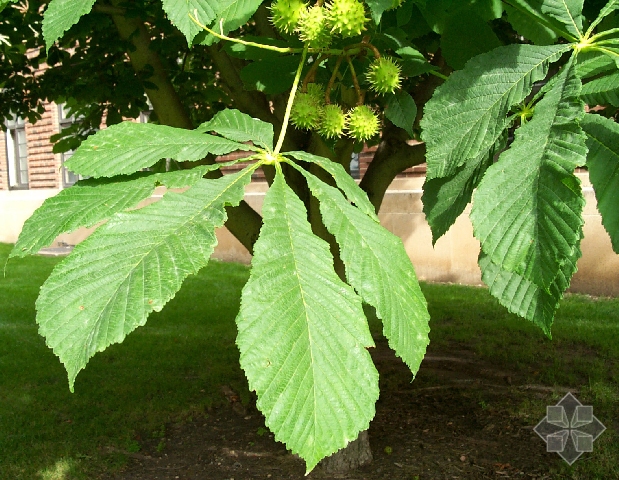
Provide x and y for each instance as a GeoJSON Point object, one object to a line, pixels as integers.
{"type": "Point", "coordinates": [355, 455]}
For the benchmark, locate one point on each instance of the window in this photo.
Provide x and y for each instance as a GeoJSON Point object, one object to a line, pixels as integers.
{"type": "Point", "coordinates": [65, 121]}
{"type": "Point", "coordinates": [17, 153]}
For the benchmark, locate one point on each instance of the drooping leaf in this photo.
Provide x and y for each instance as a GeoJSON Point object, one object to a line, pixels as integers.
{"type": "Point", "coordinates": [464, 37]}
{"type": "Point", "coordinates": [240, 127]}
{"type": "Point", "coordinates": [342, 179]}
{"type": "Point", "coordinates": [413, 62]}
{"type": "Point", "coordinates": [603, 163]}
{"type": "Point", "coordinates": [205, 10]}
{"type": "Point", "coordinates": [602, 91]}
{"type": "Point", "coordinates": [5, 3]}
{"type": "Point", "coordinates": [129, 267]}
{"type": "Point", "coordinates": [468, 113]}
{"type": "Point", "coordinates": [533, 11]}
{"type": "Point", "coordinates": [378, 7]}
{"type": "Point", "coordinates": [303, 336]}
{"type": "Point", "coordinates": [129, 147]}
{"type": "Point", "coordinates": [234, 15]}
{"type": "Point", "coordinates": [271, 75]}
{"type": "Point", "coordinates": [401, 110]}
{"type": "Point", "coordinates": [61, 15]}
{"type": "Point", "coordinates": [527, 209]}
{"type": "Point", "coordinates": [530, 29]}
{"type": "Point", "coordinates": [568, 12]}
{"type": "Point", "coordinates": [610, 7]}
{"type": "Point", "coordinates": [444, 199]}
{"type": "Point", "coordinates": [525, 298]}
{"type": "Point", "coordinates": [379, 269]}
{"type": "Point", "coordinates": [90, 201]}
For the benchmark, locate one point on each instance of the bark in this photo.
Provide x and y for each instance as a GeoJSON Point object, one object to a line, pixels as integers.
{"type": "Point", "coordinates": [393, 156]}
{"type": "Point", "coordinates": [355, 455]}
{"type": "Point", "coordinates": [243, 221]}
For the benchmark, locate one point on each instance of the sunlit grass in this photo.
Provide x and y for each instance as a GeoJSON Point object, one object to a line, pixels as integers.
{"type": "Point", "coordinates": [173, 369]}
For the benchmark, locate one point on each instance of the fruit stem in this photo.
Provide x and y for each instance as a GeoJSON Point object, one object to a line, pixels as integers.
{"type": "Point", "coordinates": [364, 46]}
{"type": "Point", "coordinates": [355, 81]}
{"type": "Point", "coordinates": [312, 71]}
{"type": "Point", "coordinates": [332, 80]}
{"type": "Point", "coordinates": [295, 84]}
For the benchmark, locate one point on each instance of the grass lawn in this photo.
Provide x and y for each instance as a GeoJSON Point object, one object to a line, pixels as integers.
{"type": "Point", "coordinates": [173, 369]}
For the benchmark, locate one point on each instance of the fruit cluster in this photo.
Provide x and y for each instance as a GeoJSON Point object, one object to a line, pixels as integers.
{"type": "Point", "coordinates": [316, 26]}
{"type": "Point", "coordinates": [310, 112]}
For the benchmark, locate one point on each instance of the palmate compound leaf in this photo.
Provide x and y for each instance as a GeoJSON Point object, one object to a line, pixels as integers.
{"type": "Point", "coordinates": [468, 113]}
{"type": "Point", "coordinates": [61, 15]}
{"type": "Point", "coordinates": [131, 266]}
{"type": "Point", "coordinates": [379, 269]}
{"type": "Point", "coordinates": [342, 179]}
{"type": "Point", "coordinates": [527, 210]}
{"type": "Point", "coordinates": [129, 147]}
{"type": "Point", "coordinates": [444, 199]}
{"type": "Point", "coordinates": [603, 164]}
{"type": "Point", "coordinates": [303, 336]}
{"type": "Point", "coordinates": [240, 127]}
{"type": "Point", "coordinates": [525, 298]}
{"type": "Point", "coordinates": [90, 201]}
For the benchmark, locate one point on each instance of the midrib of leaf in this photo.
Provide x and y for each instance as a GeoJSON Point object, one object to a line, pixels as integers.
{"type": "Point", "coordinates": [539, 257]}
{"type": "Point", "coordinates": [540, 19]}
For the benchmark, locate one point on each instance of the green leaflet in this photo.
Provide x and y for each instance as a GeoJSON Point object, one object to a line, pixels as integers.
{"type": "Point", "coordinates": [444, 199]}
{"type": "Point", "coordinates": [526, 26]}
{"type": "Point", "coordinates": [524, 298]}
{"type": "Point", "coordinates": [5, 3]}
{"type": "Point", "coordinates": [303, 336]}
{"type": "Point", "coordinates": [129, 147]}
{"type": "Point", "coordinates": [468, 113]}
{"type": "Point", "coordinates": [480, 38]}
{"type": "Point", "coordinates": [401, 110]}
{"type": "Point", "coordinates": [611, 6]}
{"type": "Point", "coordinates": [61, 15]}
{"type": "Point", "coordinates": [240, 127]}
{"type": "Point", "coordinates": [131, 266]}
{"type": "Point", "coordinates": [568, 12]}
{"type": "Point", "coordinates": [591, 64]}
{"type": "Point", "coordinates": [342, 179]}
{"type": "Point", "coordinates": [527, 208]}
{"type": "Point", "coordinates": [259, 75]}
{"type": "Point", "coordinates": [378, 7]}
{"type": "Point", "coordinates": [205, 10]}
{"type": "Point", "coordinates": [603, 163]}
{"type": "Point", "coordinates": [90, 201]}
{"type": "Point", "coordinates": [378, 268]}
{"type": "Point", "coordinates": [602, 91]}
{"type": "Point", "coordinates": [235, 14]}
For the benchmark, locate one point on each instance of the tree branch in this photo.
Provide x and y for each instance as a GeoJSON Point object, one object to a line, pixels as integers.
{"type": "Point", "coordinates": [393, 156]}
{"type": "Point", "coordinates": [243, 221]}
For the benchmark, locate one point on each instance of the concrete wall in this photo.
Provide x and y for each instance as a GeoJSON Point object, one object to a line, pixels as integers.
{"type": "Point", "coordinates": [452, 259]}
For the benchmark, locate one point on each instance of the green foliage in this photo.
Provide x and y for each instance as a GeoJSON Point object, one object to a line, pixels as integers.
{"type": "Point", "coordinates": [302, 332]}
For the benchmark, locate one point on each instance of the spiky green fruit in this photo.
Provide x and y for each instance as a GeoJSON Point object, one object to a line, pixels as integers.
{"type": "Point", "coordinates": [333, 122]}
{"type": "Point", "coordinates": [384, 75]}
{"type": "Point", "coordinates": [286, 14]}
{"type": "Point", "coordinates": [346, 17]}
{"type": "Point", "coordinates": [316, 91]}
{"type": "Point", "coordinates": [312, 27]}
{"type": "Point", "coordinates": [362, 123]}
{"type": "Point", "coordinates": [306, 111]}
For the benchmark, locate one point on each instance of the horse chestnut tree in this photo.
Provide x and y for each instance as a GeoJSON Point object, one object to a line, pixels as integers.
{"type": "Point", "coordinates": [328, 78]}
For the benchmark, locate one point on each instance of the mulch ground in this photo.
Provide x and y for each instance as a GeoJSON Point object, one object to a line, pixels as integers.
{"type": "Point", "coordinates": [457, 420]}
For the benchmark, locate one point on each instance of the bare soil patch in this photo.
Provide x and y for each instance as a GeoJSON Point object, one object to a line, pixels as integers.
{"type": "Point", "coordinates": [459, 419]}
